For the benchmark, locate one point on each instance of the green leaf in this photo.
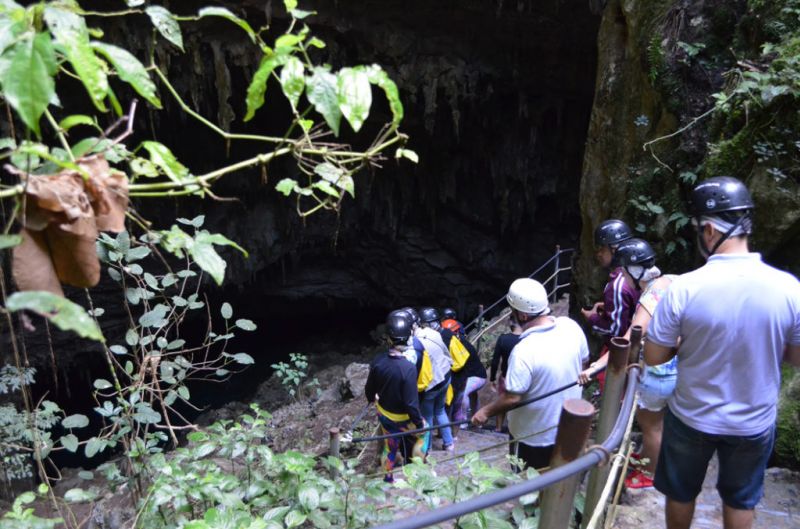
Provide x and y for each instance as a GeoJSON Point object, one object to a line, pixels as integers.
{"type": "Point", "coordinates": [407, 153]}
{"type": "Point", "coordinates": [246, 325]}
{"type": "Point", "coordinates": [161, 156]}
{"type": "Point", "coordinates": [286, 42]}
{"type": "Point", "coordinates": [224, 13]}
{"type": "Point", "coordinates": [63, 313]}
{"type": "Point", "coordinates": [286, 186]}
{"type": "Point", "coordinates": [226, 310]}
{"type": "Point", "coordinates": [197, 222]}
{"type": "Point", "coordinates": [27, 78]}
{"type": "Point", "coordinates": [203, 237]}
{"type": "Point", "coordinates": [130, 70]}
{"type": "Point", "coordinates": [78, 496]}
{"type": "Point", "coordinates": [309, 497]}
{"type": "Point", "coordinates": [74, 120]}
{"type": "Point", "coordinates": [300, 14]}
{"type": "Point", "coordinates": [207, 258]}
{"type": "Point", "coordinates": [655, 208]}
{"type": "Point", "coordinates": [9, 241]}
{"type": "Point", "coordinates": [290, 4]}
{"type": "Point", "coordinates": [70, 442]}
{"type": "Point", "coordinates": [326, 187]}
{"type": "Point", "coordinates": [144, 167]}
{"type": "Point", "coordinates": [293, 80]}
{"type": "Point", "coordinates": [381, 79]}
{"type": "Point", "coordinates": [69, 30]}
{"type": "Point", "coordinates": [102, 384]}
{"type": "Point", "coordinates": [85, 474]}
{"type": "Point", "coordinates": [243, 358]}
{"type": "Point", "coordinates": [155, 317]}
{"type": "Point", "coordinates": [93, 446]}
{"type": "Point", "coordinates": [75, 421]}
{"type": "Point", "coordinates": [294, 518]}
{"type": "Point", "coordinates": [258, 86]}
{"type": "Point", "coordinates": [355, 95]}
{"type": "Point", "coordinates": [183, 391]}
{"type": "Point", "coordinates": [131, 337]}
{"type": "Point", "coordinates": [134, 3]}
{"type": "Point", "coordinates": [321, 91]}
{"type": "Point", "coordinates": [166, 24]}
{"type": "Point", "coordinates": [118, 350]}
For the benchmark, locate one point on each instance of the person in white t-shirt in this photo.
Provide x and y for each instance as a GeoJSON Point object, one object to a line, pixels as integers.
{"type": "Point", "coordinates": [736, 318]}
{"type": "Point", "coordinates": [550, 354]}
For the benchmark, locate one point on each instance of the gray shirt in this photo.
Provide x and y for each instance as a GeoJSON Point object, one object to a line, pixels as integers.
{"type": "Point", "coordinates": [735, 316]}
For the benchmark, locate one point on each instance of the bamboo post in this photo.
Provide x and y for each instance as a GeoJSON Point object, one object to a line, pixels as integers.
{"type": "Point", "coordinates": [573, 432]}
{"type": "Point", "coordinates": [609, 411]}
{"type": "Point", "coordinates": [333, 449]}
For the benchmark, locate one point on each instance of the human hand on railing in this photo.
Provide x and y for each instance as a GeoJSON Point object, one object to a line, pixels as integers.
{"type": "Point", "coordinates": [480, 417]}
{"type": "Point", "coordinates": [585, 376]}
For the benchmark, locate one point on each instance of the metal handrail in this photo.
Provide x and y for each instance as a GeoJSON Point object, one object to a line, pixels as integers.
{"type": "Point", "coordinates": [556, 255]}
{"type": "Point", "coordinates": [595, 456]}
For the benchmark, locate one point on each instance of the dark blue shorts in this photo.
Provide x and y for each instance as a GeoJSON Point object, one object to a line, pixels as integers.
{"type": "Point", "coordinates": [685, 453]}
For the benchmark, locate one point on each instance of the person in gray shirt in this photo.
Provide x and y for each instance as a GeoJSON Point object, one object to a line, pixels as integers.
{"type": "Point", "coordinates": [735, 318]}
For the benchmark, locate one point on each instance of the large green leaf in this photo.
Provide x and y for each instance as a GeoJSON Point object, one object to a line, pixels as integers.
{"type": "Point", "coordinates": [9, 30]}
{"type": "Point", "coordinates": [293, 80]}
{"type": "Point", "coordinates": [130, 70]}
{"type": "Point", "coordinates": [63, 313]}
{"type": "Point", "coordinates": [9, 241]}
{"type": "Point", "coordinates": [258, 86]}
{"type": "Point", "coordinates": [207, 258]}
{"type": "Point", "coordinates": [224, 13]}
{"type": "Point", "coordinates": [166, 161]}
{"type": "Point", "coordinates": [203, 237]}
{"type": "Point", "coordinates": [27, 77]}
{"type": "Point", "coordinates": [355, 95]}
{"type": "Point", "coordinates": [70, 31]}
{"type": "Point", "coordinates": [166, 24]}
{"type": "Point", "coordinates": [321, 90]}
{"type": "Point", "coordinates": [381, 79]}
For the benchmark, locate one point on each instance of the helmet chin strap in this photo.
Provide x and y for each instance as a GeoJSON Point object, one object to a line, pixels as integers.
{"type": "Point", "coordinates": [701, 243]}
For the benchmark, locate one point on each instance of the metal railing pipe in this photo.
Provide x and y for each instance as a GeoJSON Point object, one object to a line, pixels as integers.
{"type": "Point", "coordinates": [573, 432]}
{"type": "Point", "coordinates": [593, 457]}
{"type": "Point", "coordinates": [618, 353]}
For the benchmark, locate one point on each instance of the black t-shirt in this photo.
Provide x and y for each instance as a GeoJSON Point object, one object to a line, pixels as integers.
{"type": "Point", "coordinates": [502, 351]}
{"type": "Point", "coordinates": [394, 379]}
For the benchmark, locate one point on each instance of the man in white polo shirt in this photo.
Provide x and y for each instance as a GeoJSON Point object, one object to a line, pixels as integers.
{"type": "Point", "coordinates": [736, 319]}
{"type": "Point", "coordinates": [550, 354]}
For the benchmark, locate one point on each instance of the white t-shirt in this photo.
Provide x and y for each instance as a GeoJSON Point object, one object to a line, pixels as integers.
{"type": "Point", "coordinates": [545, 358]}
{"type": "Point", "coordinates": [735, 316]}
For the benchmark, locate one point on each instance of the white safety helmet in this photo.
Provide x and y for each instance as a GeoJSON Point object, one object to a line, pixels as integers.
{"type": "Point", "coordinates": [528, 296]}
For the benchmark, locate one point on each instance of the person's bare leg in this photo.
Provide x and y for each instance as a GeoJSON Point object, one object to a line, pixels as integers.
{"type": "Point", "coordinates": [737, 518]}
{"type": "Point", "coordinates": [679, 515]}
{"type": "Point", "coordinates": [652, 424]}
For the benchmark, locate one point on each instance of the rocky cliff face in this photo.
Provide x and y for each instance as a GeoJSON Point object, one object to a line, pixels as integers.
{"type": "Point", "coordinates": [658, 65]}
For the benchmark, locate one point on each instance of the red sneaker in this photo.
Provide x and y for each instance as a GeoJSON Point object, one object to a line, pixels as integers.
{"type": "Point", "coordinates": [638, 480]}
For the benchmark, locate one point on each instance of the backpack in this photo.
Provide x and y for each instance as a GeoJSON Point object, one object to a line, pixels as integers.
{"type": "Point", "coordinates": [459, 354]}
{"type": "Point", "coordinates": [424, 371]}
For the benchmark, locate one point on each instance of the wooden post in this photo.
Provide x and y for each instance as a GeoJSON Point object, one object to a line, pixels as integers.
{"type": "Point", "coordinates": [609, 411]}
{"type": "Point", "coordinates": [333, 449]}
{"type": "Point", "coordinates": [573, 431]}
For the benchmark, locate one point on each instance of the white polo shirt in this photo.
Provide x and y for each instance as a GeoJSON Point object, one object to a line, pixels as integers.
{"type": "Point", "coordinates": [545, 358]}
{"type": "Point", "coordinates": [735, 316]}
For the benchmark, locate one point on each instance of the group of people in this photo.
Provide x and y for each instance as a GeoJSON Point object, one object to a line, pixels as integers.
{"type": "Point", "coordinates": [428, 376]}
{"type": "Point", "coordinates": [714, 340]}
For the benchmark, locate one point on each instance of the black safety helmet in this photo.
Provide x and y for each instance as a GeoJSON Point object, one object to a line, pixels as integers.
{"type": "Point", "coordinates": [428, 314]}
{"type": "Point", "coordinates": [413, 313]}
{"type": "Point", "coordinates": [449, 314]}
{"type": "Point", "coordinates": [634, 252]}
{"type": "Point", "coordinates": [398, 326]}
{"type": "Point", "coordinates": [718, 195]}
{"type": "Point", "coordinates": [726, 198]}
{"type": "Point", "coordinates": [611, 232]}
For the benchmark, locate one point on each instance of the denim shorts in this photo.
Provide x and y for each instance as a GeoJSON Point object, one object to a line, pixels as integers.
{"type": "Point", "coordinates": [685, 453]}
{"type": "Point", "coordinates": [655, 390]}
